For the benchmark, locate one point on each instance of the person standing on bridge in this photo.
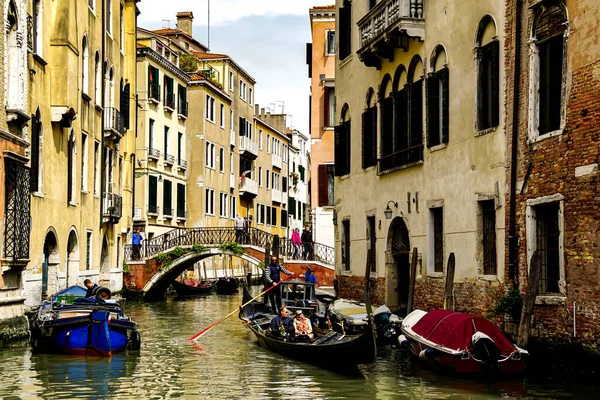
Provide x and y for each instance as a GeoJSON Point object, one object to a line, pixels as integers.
{"type": "Point", "coordinates": [272, 273]}
{"type": "Point", "coordinates": [307, 243]}
{"type": "Point", "coordinates": [239, 223]}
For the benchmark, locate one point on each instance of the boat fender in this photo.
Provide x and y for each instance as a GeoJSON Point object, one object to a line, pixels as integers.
{"type": "Point", "coordinates": [102, 292]}
{"type": "Point", "coordinates": [403, 341]}
{"type": "Point", "coordinates": [427, 354]}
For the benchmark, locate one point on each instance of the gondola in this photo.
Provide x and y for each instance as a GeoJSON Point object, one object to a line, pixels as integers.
{"type": "Point", "coordinates": [184, 290]}
{"type": "Point", "coordinates": [328, 346]}
{"type": "Point", "coordinates": [227, 285]}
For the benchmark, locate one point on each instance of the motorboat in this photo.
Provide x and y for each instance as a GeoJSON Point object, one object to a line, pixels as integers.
{"type": "Point", "coordinates": [461, 342]}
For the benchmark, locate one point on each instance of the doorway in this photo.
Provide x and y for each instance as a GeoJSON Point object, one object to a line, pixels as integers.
{"type": "Point", "coordinates": [399, 247]}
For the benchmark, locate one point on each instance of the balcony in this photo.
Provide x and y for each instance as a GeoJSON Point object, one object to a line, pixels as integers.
{"type": "Point", "coordinates": [388, 26]}
{"type": "Point", "coordinates": [169, 159]}
{"type": "Point", "coordinates": [169, 102]}
{"type": "Point", "coordinates": [113, 124]}
{"type": "Point", "coordinates": [232, 181]}
{"type": "Point", "coordinates": [153, 154]}
{"type": "Point", "coordinates": [153, 210]}
{"type": "Point", "coordinates": [112, 207]}
{"type": "Point", "coordinates": [248, 147]}
{"type": "Point", "coordinates": [182, 109]}
{"type": "Point", "coordinates": [276, 196]}
{"type": "Point", "coordinates": [182, 164]}
{"type": "Point", "coordinates": [276, 161]}
{"type": "Point", "coordinates": [248, 187]}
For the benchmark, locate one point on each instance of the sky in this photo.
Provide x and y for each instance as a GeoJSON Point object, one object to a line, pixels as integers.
{"type": "Point", "coordinates": [265, 37]}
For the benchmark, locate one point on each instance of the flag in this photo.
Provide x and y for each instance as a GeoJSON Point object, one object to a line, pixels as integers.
{"type": "Point", "coordinates": [244, 174]}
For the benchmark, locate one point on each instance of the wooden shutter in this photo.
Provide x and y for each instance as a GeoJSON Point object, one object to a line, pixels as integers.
{"type": "Point", "coordinates": [167, 194]}
{"type": "Point", "coordinates": [284, 219]}
{"type": "Point", "coordinates": [284, 184]}
{"type": "Point", "coordinates": [445, 79]}
{"type": "Point", "coordinates": [125, 95]}
{"type": "Point", "coordinates": [387, 126]}
{"type": "Point", "coordinates": [326, 116]}
{"type": "Point", "coordinates": [433, 110]}
{"type": "Point", "coordinates": [70, 171]}
{"type": "Point", "coordinates": [268, 215]}
{"type": "Point", "coordinates": [152, 191]}
{"type": "Point", "coordinates": [292, 206]}
{"type": "Point", "coordinates": [400, 131]}
{"type": "Point", "coordinates": [416, 112]}
{"type": "Point", "coordinates": [337, 153]}
{"type": "Point", "coordinates": [495, 81]}
{"type": "Point", "coordinates": [181, 199]}
{"type": "Point", "coordinates": [323, 183]}
{"type": "Point", "coordinates": [35, 154]}
{"type": "Point", "coordinates": [309, 59]}
{"type": "Point", "coordinates": [347, 151]}
{"type": "Point", "coordinates": [343, 37]}
{"type": "Point", "coordinates": [273, 216]}
{"type": "Point", "coordinates": [366, 139]}
{"type": "Point", "coordinates": [242, 126]}
{"type": "Point", "coordinates": [374, 134]}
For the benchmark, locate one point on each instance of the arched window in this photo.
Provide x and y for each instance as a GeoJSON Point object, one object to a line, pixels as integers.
{"type": "Point", "coordinates": [386, 128]}
{"type": "Point", "coordinates": [98, 78]}
{"type": "Point", "coordinates": [487, 48]}
{"type": "Point", "coordinates": [369, 131]}
{"type": "Point", "coordinates": [84, 66]}
{"type": "Point", "coordinates": [547, 67]}
{"type": "Point", "coordinates": [71, 159]}
{"type": "Point", "coordinates": [36, 152]}
{"type": "Point", "coordinates": [342, 143]}
{"type": "Point", "coordinates": [410, 104]}
{"type": "Point", "coordinates": [438, 99]}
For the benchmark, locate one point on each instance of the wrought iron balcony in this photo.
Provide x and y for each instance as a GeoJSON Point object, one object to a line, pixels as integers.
{"type": "Point", "coordinates": [248, 147]}
{"type": "Point", "coordinates": [153, 154]}
{"type": "Point", "coordinates": [276, 161]}
{"type": "Point", "coordinates": [169, 159]}
{"type": "Point", "coordinates": [388, 26]}
{"type": "Point", "coordinates": [182, 164]}
{"type": "Point", "coordinates": [113, 123]}
{"type": "Point", "coordinates": [182, 109]}
{"type": "Point", "coordinates": [248, 187]}
{"type": "Point", "coordinates": [153, 210]}
{"type": "Point", "coordinates": [169, 102]}
{"type": "Point", "coordinates": [112, 207]}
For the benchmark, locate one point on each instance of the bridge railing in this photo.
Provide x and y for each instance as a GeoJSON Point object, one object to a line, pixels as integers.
{"type": "Point", "coordinates": [215, 236]}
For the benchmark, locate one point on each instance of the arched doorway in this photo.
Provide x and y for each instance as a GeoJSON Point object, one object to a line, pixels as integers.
{"type": "Point", "coordinates": [398, 266]}
{"type": "Point", "coordinates": [104, 264]}
{"type": "Point", "coordinates": [50, 265]}
{"type": "Point", "coordinates": [72, 258]}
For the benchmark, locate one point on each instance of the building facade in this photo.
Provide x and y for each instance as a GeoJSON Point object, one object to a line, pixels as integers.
{"type": "Point", "coordinates": [420, 150]}
{"type": "Point", "coordinates": [82, 131]}
{"type": "Point", "coordinates": [553, 86]}
{"type": "Point", "coordinates": [321, 60]}
{"type": "Point", "coordinates": [161, 145]}
{"type": "Point", "coordinates": [299, 165]}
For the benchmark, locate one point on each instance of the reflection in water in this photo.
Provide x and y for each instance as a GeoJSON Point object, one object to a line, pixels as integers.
{"type": "Point", "coordinates": [228, 364]}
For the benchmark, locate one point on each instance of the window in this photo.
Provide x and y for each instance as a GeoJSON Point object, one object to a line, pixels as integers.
{"type": "Point", "coordinates": [371, 243]}
{"type": "Point", "coordinates": [35, 174]}
{"type": "Point", "coordinates": [120, 176]}
{"type": "Point", "coordinates": [37, 26]}
{"type": "Point", "coordinates": [182, 104]}
{"type": "Point", "coordinates": [153, 195]}
{"type": "Point", "coordinates": [329, 107]}
{"type": "Point", "coordinates": [231, 81]}
{"type": "Point", "coordinates": [547, 241]}
{"type": "Point", "coordinates": [345, 27]}
{"type": "Point", "coordinates": [88, 250]}
{"type": "Point", "coordinates": [273, 216]}
{"type": "Point", "coordinates": [438, 101]}
{"type": "Point", "coordinates": [346, 244]}
{"type": "Point", "coordinates": [268, 215]}
{"type": "Point", "coordinates": [268, 144]}
{"type": "Point", "coordinates": [166, 143]}
{"type": "Point", "coordinates": [181, 213]}
{"type": "Point", "coordinates": [84, 161]}
{"type": "Point", "coordinates": [169, 93]}
{"type": "Point", "coordinates": [285, 153]}
{"type": "Point", "coordinates": [98, 78]}
{"type": "Point", "coordinates": [325, 184]}
{"type": "Point", "coordinates": [222, 115]}
{"type": "Point", "coordinates": [250, 96]}
{"type": "Point", "coordinates": [436, 232]}
{"type": "Point", "coordinates": [242, 90]}
{"type": "Point", "coordinates": [223, 205]}
{"type": "Point", "coordinates": [109, 17]}
{"type": "Point", "coordinates": [179, 148]}
{"type": "Point", "coordinates": [342, 149]}
{"type": "Point", "coordinates": [84, 66]}
{"type": "Point", "coordinates": [232, 207]}
{"type": "Point", "coordinates": [153, 83]}
{"type": "Point", "coordinates": [284, 184]}
{"type": "Point", "coordinates": [222, 160]}
{"type": "Point", "coordinates": [284, 219]}
{"type": "Point", "coordinates": [268, 176]}
{"type": "Point", "coordinates": [96, 168]}
{"type": "Point", "coordinates": [369, 132]}
{"type": "Point", "coordinates": [209, 207]}
{"type": "Point", "coordinates": [167, 198]}
{"type": "Point", "coordinates": [210, 155]}
{"type": "Point", "coordinates": [231, 163]}
{"type": "Point", "coordinates": [92, 4]}
{"type": "Point", "coordinates": [150, 135]}
{"type": "Point", "coordinates": [488, 236]}
{"type": "Point", "coordinates": [329, 43]}
{"type": "Point", "coordinates": [231, 120]}
{"type": "Point", "coordinates": [124, 102]}
{"type": "Point", "coordinates": [488, 75]}
{"type": "Point", "coordinates": [260, 139]}
{"type": "Point", "coordinates": [121, 28]}
{"type": "Point", "coordinates": [210, 108]}
{"type": "Point", "coordinates": [260, 174]}
{"type": "Point", "coordinates": [72, 155]}
{"type": "Point", "coordinates": [547, 68]}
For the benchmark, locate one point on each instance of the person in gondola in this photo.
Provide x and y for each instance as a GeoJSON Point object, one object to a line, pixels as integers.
{"type": "Point", "coordinates": [282, 325]}
{"type": "Point", "coordinates": [302, 327]}
{"type": "Point", "coordinates": [272, 274]}
{"type": "Point", "coordinates": [90, 288]}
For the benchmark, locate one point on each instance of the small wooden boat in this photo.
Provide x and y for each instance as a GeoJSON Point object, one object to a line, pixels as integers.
{"type": "Point", "coordinates": [227, 285]}
{"type": "Point", "coordinates": [70, 323]}
{"type": "Point", "coordinates": [185, 290]}
{"type": "Point", "coordinates": [461, 342]}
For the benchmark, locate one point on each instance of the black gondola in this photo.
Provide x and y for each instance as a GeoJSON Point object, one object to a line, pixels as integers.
{"type": "Point", "coordinates": [328, 347]}
{"type": "Point", "coordinates": [184, 290]}
{"type": "Point", "coordinates": [227, 285]}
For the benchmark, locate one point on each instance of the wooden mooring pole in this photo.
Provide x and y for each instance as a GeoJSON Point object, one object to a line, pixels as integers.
{"type": "Point", "coordinates": [449, 283]}
{"type": "Point", "coordinates": [412, 280]}
{"type": "Point", "coordinates": [533, 285]}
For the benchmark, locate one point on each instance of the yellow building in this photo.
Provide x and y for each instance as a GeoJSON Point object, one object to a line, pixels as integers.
{"type": "Point", "coordinates": [420, 148]}
{"type": "Point", "coordinates": [81, 98]}
{"type": "Point", "coordinates": [161, 149]}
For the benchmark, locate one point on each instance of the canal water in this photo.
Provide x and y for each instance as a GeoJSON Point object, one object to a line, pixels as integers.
{"type": "Point", "coordinates": [228, 364]}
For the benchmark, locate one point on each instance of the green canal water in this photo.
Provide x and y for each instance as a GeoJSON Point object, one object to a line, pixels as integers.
{"type": "Point", "coordinates": [228, 364]}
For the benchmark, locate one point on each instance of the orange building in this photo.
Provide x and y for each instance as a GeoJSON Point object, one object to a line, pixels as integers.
{"type": "Point", "coordinates": [320, 57]}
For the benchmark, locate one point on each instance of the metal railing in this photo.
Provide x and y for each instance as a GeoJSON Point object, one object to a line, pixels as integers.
{"type": "Point", "coordinates": [181, 214]}
{"type": "Point", "coordinates": [182, 164]}
{"type": "Point", "coordinates": [113, 120]}
{"type": "Point", "coordinates": [112, 206]}
{"type": "Point", "coordinates": [169, 159]}
{"type": "Point", "coordinates": [153, 153]}
{"type": "Point", "coordinates": [153, 209]}
{"type": "Point", "coordinates": [167, 212]}
{"type": "Point", "coordinates": [215, 236]}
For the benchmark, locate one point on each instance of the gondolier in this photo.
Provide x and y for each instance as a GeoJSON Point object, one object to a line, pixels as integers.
{"type": "Point", "coordinates": [272, 274]}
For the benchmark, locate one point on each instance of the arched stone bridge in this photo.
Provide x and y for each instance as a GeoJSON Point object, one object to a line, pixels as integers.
{"type": "Point", "coordinates": [163, 258]}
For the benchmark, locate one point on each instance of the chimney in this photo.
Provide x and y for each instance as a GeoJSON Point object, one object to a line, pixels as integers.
{"type": "Point", "coordinates": [184, 21]}
{"type": "Point", "coordinates": [256, 109]}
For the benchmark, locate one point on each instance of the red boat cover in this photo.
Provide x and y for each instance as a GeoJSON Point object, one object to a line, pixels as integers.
{"type": "Point", "coordinates": [454, 330]}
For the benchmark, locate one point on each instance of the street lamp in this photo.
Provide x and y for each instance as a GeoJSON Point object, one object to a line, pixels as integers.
{"type": "Point", "coordinates": [388, 210]}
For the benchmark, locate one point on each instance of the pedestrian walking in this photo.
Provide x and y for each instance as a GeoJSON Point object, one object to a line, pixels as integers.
{"type": "Point", "coordinates": [307, 243]}
{"type": "Point", "coordinates": [238, 223]}
{"type": "Point", "coordinates": [296, 242]}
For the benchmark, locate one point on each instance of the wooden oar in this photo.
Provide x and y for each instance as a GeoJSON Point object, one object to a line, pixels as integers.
{"type": "Point", "coordinates": [205, 330]}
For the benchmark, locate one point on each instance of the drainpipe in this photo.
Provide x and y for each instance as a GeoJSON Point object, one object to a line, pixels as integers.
{"type": "Point", "coordinates": [513, 238]}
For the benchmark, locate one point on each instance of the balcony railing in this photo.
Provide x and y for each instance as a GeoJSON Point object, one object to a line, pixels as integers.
{"type": "Point", "coordinates": [402, 158]}
{"type": "Point", "coordinates": [168, 212]}
{"type": "Point", "coordinates": [170, 102]}
{"type": "Point", "coordinates": [276, 161]}
{"type": "Point", "coordinates": [181, 214]}
{"type": "Point", "coordinates": [232, 179]}
{"type": "Point", "coordinates": [276, 195]}
{"type": "Point", "coordinates": [388, 26]}
{"type": "Point", "coordinates": [248, 146]}
{"type": "Point", "coordinates": [182, 109]}
{"type": "Point", "coordinates": [153, 154]}
{"type": "Point", "coordinates": [169, 159]}
{"type": "Point", "coordinates": [112, 206]}
{"type": "Point", "coordinates": [153, 210]}
{"type": "Point", "coordinates": [113, 123]}
{"type": "Point", "coordinates": [182, 164]}
{"type": "Point", "coordinates": [248, 187]}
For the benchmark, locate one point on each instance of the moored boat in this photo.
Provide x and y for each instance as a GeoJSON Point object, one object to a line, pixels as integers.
{"type": "Point", "coordinates": [227, 285]}
{"type": "Point", "coordinates": [186, 290]}
{"type": "Point", "coordinates": [70, 323]}
{"type": "Point", "coordinates": [461, 342]}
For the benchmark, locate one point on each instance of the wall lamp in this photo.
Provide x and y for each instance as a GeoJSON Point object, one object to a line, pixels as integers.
{"type": "Point", "coordinates": [388, 210]}
{"type": "Point", "coordinates": [140, 174]}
